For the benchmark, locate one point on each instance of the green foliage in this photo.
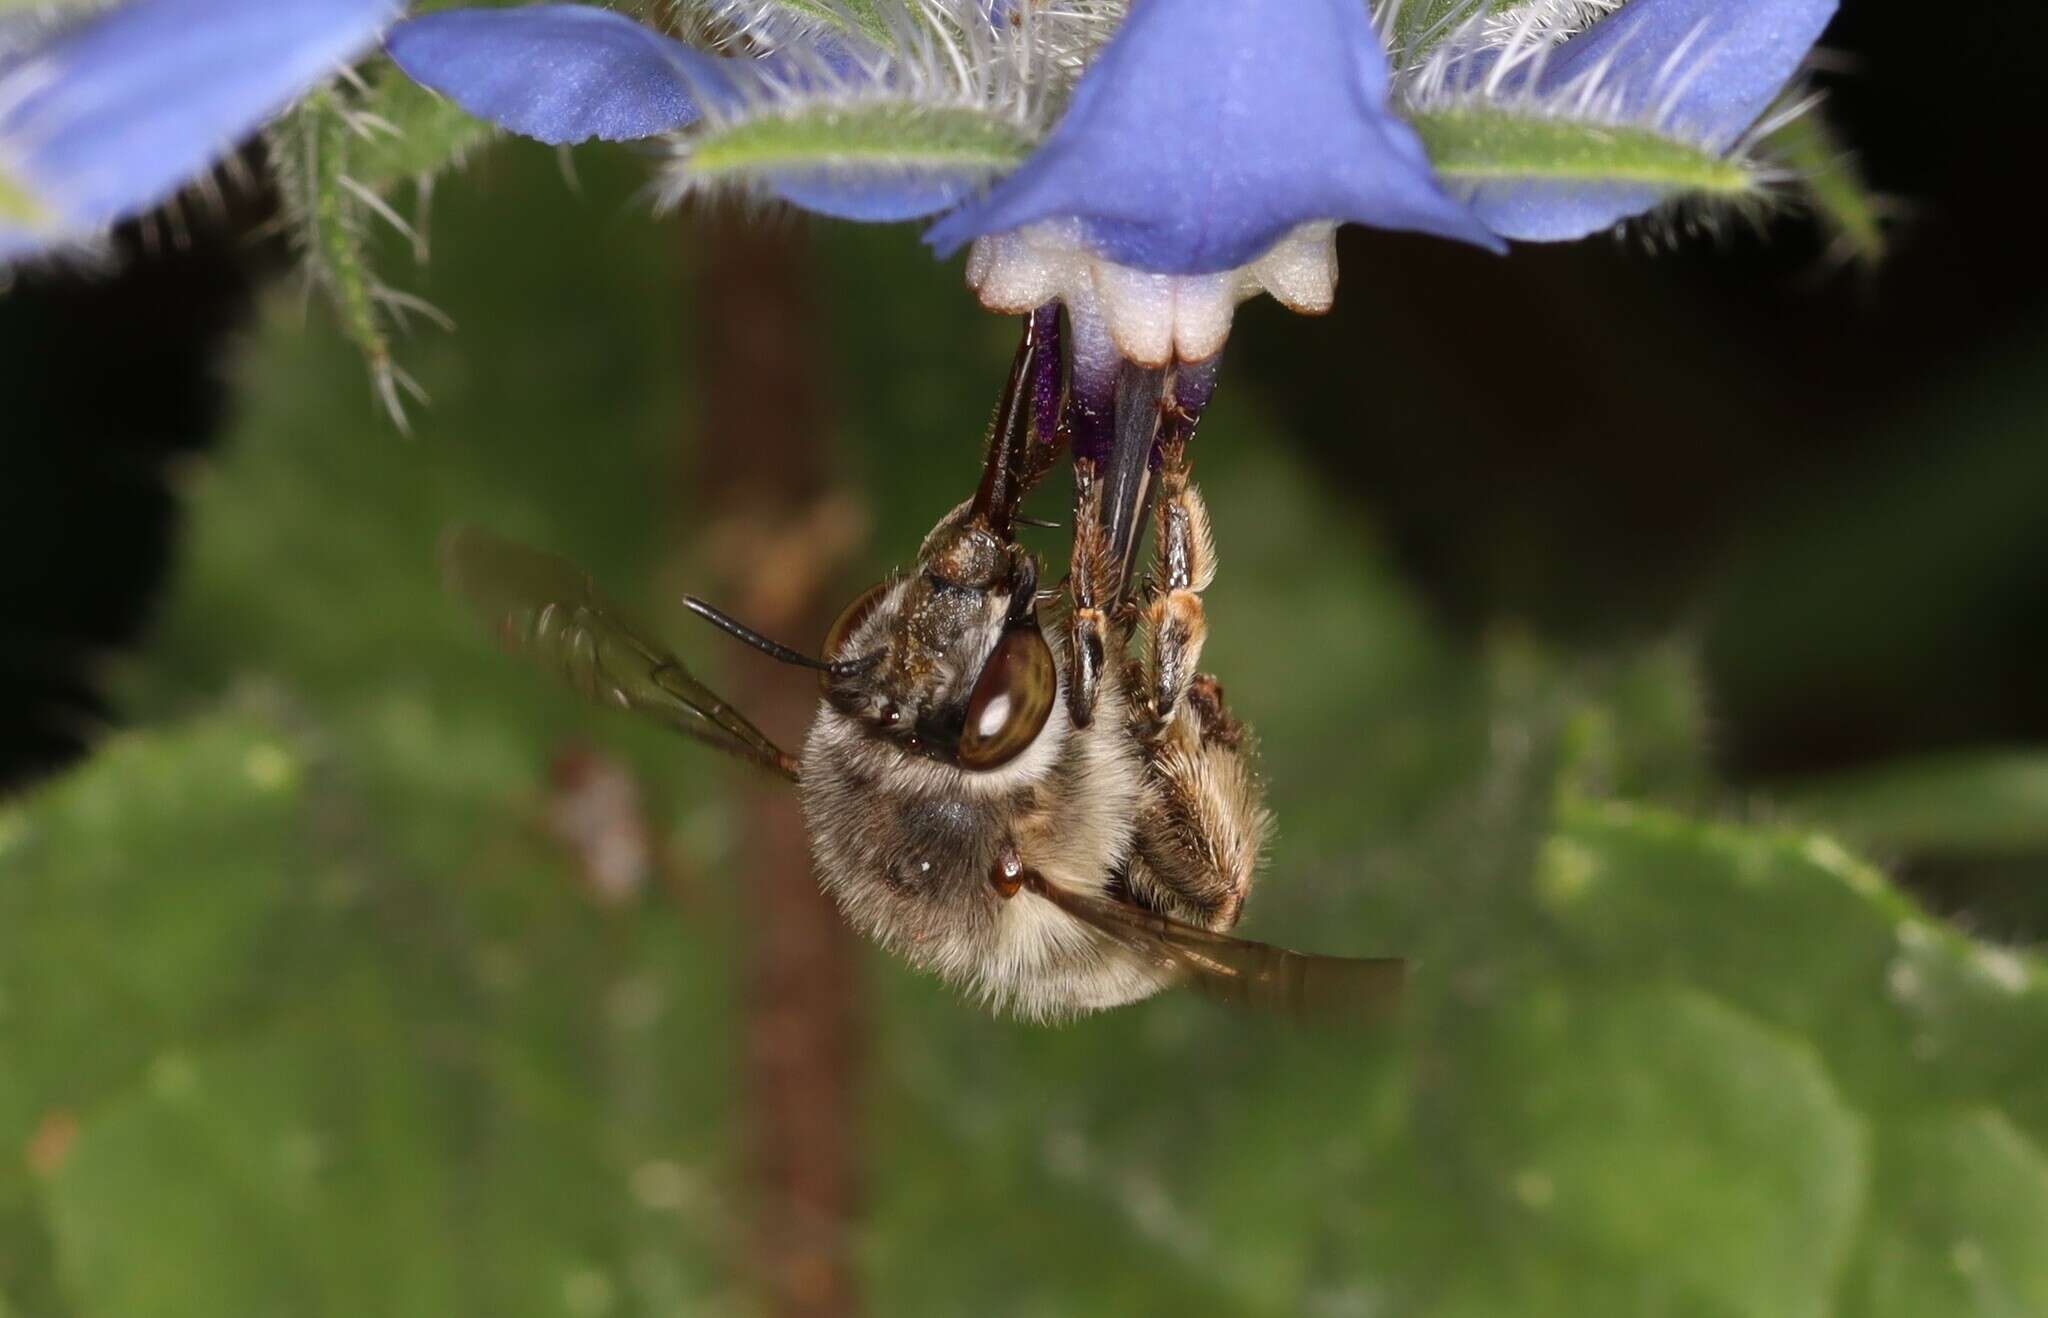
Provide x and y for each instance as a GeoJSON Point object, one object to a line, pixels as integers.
{"type": "Point", "coordinates": [1968, 802]}
{"type": "Point", "coordinates": [303, 1008]}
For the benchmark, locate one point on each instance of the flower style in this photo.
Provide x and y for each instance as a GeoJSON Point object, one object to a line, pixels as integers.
{"type": "Point", "coordinates": [1152, 163]}
{"type": "Point", "coordinates": [106, 116]}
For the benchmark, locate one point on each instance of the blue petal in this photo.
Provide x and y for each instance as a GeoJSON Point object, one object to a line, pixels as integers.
{"type": "Point", "coordinates": [108, 117]}
{"type": "Point", "coordinates": [1209, 128]}
{"type": "Point", "coordinates": [1704, 70]}
{"type": "Point", "coordinates": [875, 196]}
{"type": "Point", "coordinates": [559, 73]}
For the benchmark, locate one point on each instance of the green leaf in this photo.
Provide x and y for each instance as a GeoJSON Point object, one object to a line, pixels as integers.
{"type": "Point", "coordinates": [1646, 1151]}
{"type": "Point", "coordinates": [288, 1174]}
{"type": "Point", "coordinates": [1966, 803]}
{"type": "Point", "coordinates": [1474, 146]}
{"type": "Point", "coordinates": [874, 139]}
{"type": "Point", "coordinates": [1958, 1223]}
{"type": "Point", "coordinates": [89, 902]}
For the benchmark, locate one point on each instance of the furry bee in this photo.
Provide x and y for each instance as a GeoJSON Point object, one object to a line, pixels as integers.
{"type": "Point", "coordinates": [1057, 829]}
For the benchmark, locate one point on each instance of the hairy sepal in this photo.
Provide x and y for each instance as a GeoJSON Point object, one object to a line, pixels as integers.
{"type": "Point", "coordinates": [881, 159]}
{"type": "Point", "coordinates": [1825, 177]}
{"type": "Point", "coordinates": [339, 159]}
{"type": "Point", "coordinates": [1473, 146]}
{"type": "Point", "coordinates": [1414, 28]}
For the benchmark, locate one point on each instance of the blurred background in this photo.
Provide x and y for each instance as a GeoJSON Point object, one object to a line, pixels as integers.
{"type": "Point", "coordinates": [1646, 638]}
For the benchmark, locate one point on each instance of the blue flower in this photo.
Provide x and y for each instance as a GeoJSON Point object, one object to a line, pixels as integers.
{"type": "Point", "coordinates": [1697, 71]}
{"type": "Point", "coordinates": [1210, 129]}
{"type": "Point", "coordinates": [108, 116]}
{"type": "Point", "coordinates": [1152, 163]}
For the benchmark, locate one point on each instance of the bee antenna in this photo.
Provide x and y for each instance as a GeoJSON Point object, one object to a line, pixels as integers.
{"type": "Point", "coordinates": [738, 630]}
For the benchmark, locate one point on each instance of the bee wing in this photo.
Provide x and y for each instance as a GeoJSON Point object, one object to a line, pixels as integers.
{"type": "Point", "coordinates": [550, 610]}
{"type": "Point", "coordinates": [1228, 969]}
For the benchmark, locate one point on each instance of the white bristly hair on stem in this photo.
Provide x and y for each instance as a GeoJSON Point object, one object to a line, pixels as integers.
{"type": "Point", "coordinates": [938, 56]}
{"type": "Point", "coordinates": [1551, 21]}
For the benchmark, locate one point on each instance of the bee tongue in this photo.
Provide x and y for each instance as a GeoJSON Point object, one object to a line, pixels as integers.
{"type": "Point", "coordinates": [1019, 451]}
{"type": "Point", "coordinates": [1140, 391]}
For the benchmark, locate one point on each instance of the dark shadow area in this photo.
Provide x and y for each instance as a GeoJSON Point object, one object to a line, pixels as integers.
{"type": "Point", "coordinates": [1835, 472]}
{"type": "Point", "coordinates": [110, 379]}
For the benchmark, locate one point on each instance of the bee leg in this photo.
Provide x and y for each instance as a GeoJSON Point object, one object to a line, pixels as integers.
{"type": "Point", "coordinates": [1184, 564]}
{"type": "Point", "coordinates": [1092, 582]}
{"type": "Point", "coordinates": [1203, 821]}
{"type": "Point", "coordinates": [1200, 829]}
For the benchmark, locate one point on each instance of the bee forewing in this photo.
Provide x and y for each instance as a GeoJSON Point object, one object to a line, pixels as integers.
{"type": "Point", "coordinates": [1238, 970]}
{"type": "Point", "coordinates": [550, 610]}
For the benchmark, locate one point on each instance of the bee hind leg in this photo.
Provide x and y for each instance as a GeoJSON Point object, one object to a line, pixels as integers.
{"type": "Point", "coordinates": [1201, 829]}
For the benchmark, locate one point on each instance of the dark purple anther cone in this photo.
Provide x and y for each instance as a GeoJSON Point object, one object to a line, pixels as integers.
{"type": "Point", "coordinates": [1194, 384]}
{"type": "Point", "coordinates": [1091, 415]}
{"type": "Point", "coordinates": [1048, 373]}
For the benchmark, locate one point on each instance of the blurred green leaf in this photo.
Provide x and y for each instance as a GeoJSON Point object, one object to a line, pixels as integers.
{"type": "Point", "coordinates": [1645, 1149]}
{"type": "Point", "coordinates": [144, 898]}
{"type": "Point", "coordinates": [1905, 1011]}
{"type": "Point", "coordinates": [294, 1173]}
{"type": "Point", "coordinates": [1958, 1222]}
{"type": "Point", "coordinates": [304, 964]}
{"type": "Point", "coordinates": [1964, 803]}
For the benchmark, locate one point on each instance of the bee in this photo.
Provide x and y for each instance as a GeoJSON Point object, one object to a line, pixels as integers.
{"type": "Point", "coordinates": [1056, 829]}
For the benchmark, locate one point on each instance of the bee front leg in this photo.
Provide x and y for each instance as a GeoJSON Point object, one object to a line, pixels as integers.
{"type": "Point", "coordinates": [1092, 583]}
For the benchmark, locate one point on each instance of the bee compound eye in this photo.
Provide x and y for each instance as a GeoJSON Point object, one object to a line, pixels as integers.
{"type": "Point", "coordinates": [850, 620]}
{"type": "Point", "coordinates": [1011, 701]}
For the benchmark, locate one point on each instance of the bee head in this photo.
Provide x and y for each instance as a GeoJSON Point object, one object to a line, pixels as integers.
{"type": "Point", "coordinates": [948, 662]}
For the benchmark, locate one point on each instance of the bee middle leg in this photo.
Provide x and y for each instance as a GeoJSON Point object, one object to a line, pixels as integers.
{"type": "Point", "coordinates": [1184, 565]}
